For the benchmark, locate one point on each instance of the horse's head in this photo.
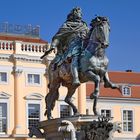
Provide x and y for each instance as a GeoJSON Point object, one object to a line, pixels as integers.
{"type": "Point", "coordinates": [100, 31]}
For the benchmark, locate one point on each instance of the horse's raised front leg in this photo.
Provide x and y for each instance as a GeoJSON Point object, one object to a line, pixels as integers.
{"type": "Point", "coordinates": [71, 91]}
{"type": "Point", "coordinates": [108, 83]}
{"type": "Point", "coordinates": [95, 94]}
{"type": "Point", "coordinates": [96, 79]}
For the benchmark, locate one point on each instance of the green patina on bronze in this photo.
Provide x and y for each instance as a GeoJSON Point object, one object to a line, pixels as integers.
{"type": "Point", "coordinates": [80, 58]}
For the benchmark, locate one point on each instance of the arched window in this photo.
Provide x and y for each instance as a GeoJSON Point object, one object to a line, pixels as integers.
{"type": "Point", "coordinates": [126, 90]}
{"type": "Point", "coordinates": [33, 109]}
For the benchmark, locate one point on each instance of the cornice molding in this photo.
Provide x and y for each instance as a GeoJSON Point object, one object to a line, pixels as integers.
{"type": "Point", "coordinates": [20, 57]}
{"type": "Point", "coordinates": [27, 58]}
{"type": "Point", "coordinates": [4, 57]}
{"type": "Point", "coordinates": [34, 96]}
{"type": "Point", "coordinates": [4, 95]}
{"type": "Point", "coordinates": [120, 99]}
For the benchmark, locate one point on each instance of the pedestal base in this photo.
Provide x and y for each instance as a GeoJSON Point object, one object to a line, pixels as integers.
{"type": "Point", "coordinates": [82, 127]}
{"type": "Point", "coordinates": [57, 129]}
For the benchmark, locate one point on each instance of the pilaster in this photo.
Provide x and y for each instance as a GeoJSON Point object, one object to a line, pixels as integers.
{"type": "Point", "coordinates": [19, 102]}
{"type": "Point", "coordinates": [82, 99]}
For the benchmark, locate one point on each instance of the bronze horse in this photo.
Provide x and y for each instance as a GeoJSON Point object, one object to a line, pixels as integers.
{"type": "Point", "coordinates": [93, 65]}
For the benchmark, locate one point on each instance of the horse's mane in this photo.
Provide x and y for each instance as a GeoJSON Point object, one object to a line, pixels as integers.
{"type": "Point", "coordinates": [98, 20]}
{"type": "Point", "coordinates": [94, 22]}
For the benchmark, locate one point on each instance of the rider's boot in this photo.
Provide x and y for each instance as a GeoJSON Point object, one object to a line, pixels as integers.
{"type": "Point", "coordinates": [74, 71]}
{"type": "Point", "coordinates": [76, 81]}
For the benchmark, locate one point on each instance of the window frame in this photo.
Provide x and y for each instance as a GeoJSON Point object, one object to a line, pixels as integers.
{"type": "Point", "coordinates": [33, 84]}
{"type": "Point", "coordinates": [27, 114]}
{"type": "Point", "coordinates": [69, 110]}
{"type": "Point", "coordinates": [60, 102]}
{"type": "Point", "coordinates": [7, 77]}
{"type": "Point", "coordinates": [7, 114]}
{"type": "Point", "coordinates": [106, 109]}
{"type": "Point", "coordinates": [127, 109]}
{"type": "Point", "coordinates": [123, 93]}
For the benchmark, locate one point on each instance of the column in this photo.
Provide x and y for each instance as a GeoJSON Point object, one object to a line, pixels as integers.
{"type": "Point", "coordinates": [18, 103]}
{"type": "Point", "coordinates": [82, 99]}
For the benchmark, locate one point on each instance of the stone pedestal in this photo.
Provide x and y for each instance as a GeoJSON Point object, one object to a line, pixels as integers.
{"type": "Point", "coordinates": [82, 127]}
{"type": "Point", "coordinates": [66, 128]}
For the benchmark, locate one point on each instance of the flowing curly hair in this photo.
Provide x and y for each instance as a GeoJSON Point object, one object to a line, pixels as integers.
{"type": "Point", "coordinates": [73, 13]}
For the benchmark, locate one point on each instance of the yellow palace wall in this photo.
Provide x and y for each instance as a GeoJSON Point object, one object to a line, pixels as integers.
{"type": "Point", "coordinates": [17, 65]}
{"type": "Point", "coordinates": [117, 106]}
{"type": "Point", "coordinates": [18, 93]}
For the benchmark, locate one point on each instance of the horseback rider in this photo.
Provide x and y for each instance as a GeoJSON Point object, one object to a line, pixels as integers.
{"type": "Point", "coordinates": [69, 42]}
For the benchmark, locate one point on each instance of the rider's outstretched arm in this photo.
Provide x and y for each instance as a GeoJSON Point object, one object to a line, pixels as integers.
{"type": "Point", "coordinates": [53, 45]}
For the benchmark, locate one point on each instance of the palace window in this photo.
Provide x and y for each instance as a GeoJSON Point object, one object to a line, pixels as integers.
{"type": "Point", "coordinates": [33, 79]}
{"type": "Point", "coordinates": [106, 112]}
{"type": "Point", "coordinates": [127, 120]}
{"type": "Point", "coordinates": [3, 77]}
{"type": "Point", "coordinates": [3, 117]}
{"type": "Point", "coordinates": [126, 91]}
{"type": "Point", "coordinates": [65, 111]}
{"type": "Point", "coordinates": [33, 114]}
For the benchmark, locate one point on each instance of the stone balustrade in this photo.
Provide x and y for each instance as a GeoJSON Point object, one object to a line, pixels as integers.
{"type": "Point", "coordinates": [7, 45]}
{"type": "Point", "coordinates": [25, 47]}
{"type": "Point", "coordinates": [33, 48]}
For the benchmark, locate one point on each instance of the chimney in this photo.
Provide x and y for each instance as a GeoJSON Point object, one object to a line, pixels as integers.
{"type": "Point", "coordinates": [129, 70]}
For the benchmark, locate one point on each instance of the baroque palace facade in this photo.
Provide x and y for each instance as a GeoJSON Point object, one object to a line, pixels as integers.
{"type": "Point", "coordinates": [23, 86]}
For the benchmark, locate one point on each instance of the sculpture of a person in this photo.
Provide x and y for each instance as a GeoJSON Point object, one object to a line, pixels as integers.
{"type": "Point", "coordinates": [69, 42]}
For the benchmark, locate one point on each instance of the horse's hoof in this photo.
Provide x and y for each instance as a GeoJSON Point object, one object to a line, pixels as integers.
{"type": "Point", "coordinates": [96, 113]}
{"type": "Point", "coordinates": [114, 86]}
{"type": "Point", "coordinates": [50, 118]}
{"type": "Point", "coordinates": [93, 96]}
{"type": "Point", "coordinates": [77, 114]}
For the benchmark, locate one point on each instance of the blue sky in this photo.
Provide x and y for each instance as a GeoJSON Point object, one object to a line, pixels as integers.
{"type": "Point", "coordinates": [124, 15]}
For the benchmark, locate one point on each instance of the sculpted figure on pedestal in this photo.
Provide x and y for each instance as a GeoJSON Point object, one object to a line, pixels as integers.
{"type": "Point", "coordinates": [80, 58]}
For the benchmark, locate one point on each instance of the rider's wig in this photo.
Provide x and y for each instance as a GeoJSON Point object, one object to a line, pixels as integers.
{"type": "Point", "coordinates": [74, 11]}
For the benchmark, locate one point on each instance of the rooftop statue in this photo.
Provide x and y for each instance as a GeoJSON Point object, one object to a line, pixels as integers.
{"type": "Point", "coordinates": [80, 58]}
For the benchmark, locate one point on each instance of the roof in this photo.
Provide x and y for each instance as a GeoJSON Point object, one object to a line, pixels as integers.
{"type": "Point", "coordinates": [125, 77]}
{"type": "Point", "coordinates": [122, 78]}
{"type": "Point", "coordinates": [22, 38]}
{"type": "Point", "coordinates": [113, 93]}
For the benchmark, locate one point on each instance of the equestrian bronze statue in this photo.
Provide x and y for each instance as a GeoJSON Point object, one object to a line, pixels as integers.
{"type": "Point", "coordinates": [80, 58]}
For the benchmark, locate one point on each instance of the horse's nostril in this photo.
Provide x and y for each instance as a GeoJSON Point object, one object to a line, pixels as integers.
{"type": "Point", "coordinates": [107, 45]}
